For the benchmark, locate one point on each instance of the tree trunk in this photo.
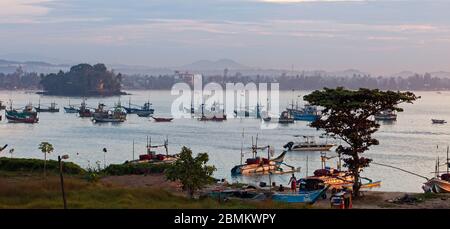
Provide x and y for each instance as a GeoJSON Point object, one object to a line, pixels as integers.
{"type": "Point", "coordinates": [356, 183]}
{"type": "Point", "coordinates": [45, 165]}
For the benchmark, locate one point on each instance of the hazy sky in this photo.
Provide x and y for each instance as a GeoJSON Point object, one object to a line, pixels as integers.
{"type": "Point", "coordinates": [373, 36]}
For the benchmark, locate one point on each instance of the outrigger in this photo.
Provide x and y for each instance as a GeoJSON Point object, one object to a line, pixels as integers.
{"type": "Point", "coordinates": [258, 165]}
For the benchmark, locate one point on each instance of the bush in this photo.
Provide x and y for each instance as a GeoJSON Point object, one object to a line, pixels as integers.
{"type": "Point", "coordinates": [37, 165]}
{"type": "Point", "coordinates": [136, 169]}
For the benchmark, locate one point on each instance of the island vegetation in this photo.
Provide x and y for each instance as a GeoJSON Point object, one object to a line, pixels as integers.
{"type": "Point", "coordinates": [83, 80]}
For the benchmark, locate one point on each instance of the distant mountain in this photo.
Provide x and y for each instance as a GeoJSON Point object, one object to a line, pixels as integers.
{"type": "Point", "coordinates": [209, 65]}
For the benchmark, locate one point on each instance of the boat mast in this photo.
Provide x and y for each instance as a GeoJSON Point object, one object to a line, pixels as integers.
{"type": "Point", "coordinates": [133, 149]}
{"type": "Point", "coordinates": [242, 145]}
{"type": "Point", "coordinates": [446, 164]}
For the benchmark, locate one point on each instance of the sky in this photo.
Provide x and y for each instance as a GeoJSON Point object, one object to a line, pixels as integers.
{"type": "Point", "coordinates": [376, 36]}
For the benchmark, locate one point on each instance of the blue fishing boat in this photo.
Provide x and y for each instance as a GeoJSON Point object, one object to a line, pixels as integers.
{"type": "Point", "coordinates": [141, 111]}
{"type": "Point", "coordinates": [307, 113]}
{"type": "Point", "coordinates": [310, 191]}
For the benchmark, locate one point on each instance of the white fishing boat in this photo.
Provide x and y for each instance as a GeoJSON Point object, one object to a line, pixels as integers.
{"type": "Point", "coordinates": [386, 115]}
{"type": "Point", "coordinates": [309, 144]}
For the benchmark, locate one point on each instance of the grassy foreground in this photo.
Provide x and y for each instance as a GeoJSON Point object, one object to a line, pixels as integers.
{"type": "Point", "coordinates": [31, 190]}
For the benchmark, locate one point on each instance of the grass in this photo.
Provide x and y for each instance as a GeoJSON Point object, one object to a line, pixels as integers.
{"type": "Point", "coordinates": [29, 190]}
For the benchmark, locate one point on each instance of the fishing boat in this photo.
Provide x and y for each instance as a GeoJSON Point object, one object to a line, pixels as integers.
{"type": "Point", "coordinates": [27, 115]}
{"type": "Point", "coordinates": [308, 145]}
{"type": "Point", "coordinates": [307, 113]}
{"type": "Point", "coordinates": [84, 111]}
{"type": "Point", "coordinates": [310, 190]}
{"type": "Point", "coordinates": [267, 119]}
{"type": "Point", "coordinates": [50, 109]}
{"type": "Point", "coordinates": [215, 117]}
{"type": "Point", "coordinates": [336, 178]}
{"type": "Point", "coordinates": [260, 165]}
{"type": "Point", "coordinates": [71, 109]}
{"type": "Point", "coordinates": [386, 115]}
{"type": "Point", "coordinates": [162, 119]}
{"type": "Point", "coordinates": [141, 111]}
{"type": "Point", "coordinates": [116, 115]}
{"type": "Point", "coordinates": [285, 118]}
{"type": "Point", "coordinates": [441, 182]}
{"type": "Point", "coordinates": [438, 121]}
{"type": "Point", "coordinates": [2, 106]}
{"type": "Point", "coordinates": [152, 157]}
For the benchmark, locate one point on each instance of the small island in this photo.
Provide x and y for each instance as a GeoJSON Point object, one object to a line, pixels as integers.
{"type": "Point", "coordinates": [83, 80]}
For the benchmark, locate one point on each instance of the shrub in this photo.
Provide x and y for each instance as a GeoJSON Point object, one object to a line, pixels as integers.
{"type": "Point", "coordinates": [37, 165]}
{"type": "Point", "coordinates": [136, 169]}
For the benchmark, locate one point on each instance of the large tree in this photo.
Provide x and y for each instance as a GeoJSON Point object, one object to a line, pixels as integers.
{"type": "Point", "coordinates": [193, 173]}
{"type": "Point", "coordinates": [349, 115]}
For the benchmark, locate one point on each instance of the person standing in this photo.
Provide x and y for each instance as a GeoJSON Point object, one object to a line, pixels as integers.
{"type": "Point", "coordinates": [293, 183]}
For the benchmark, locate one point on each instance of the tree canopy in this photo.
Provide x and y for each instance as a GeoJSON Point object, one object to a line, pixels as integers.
{"type": "Point", "coordinates": [193, 173]}
{"type": "Point", "coordinates": [83, 80]}
{"type": "Point", "coordinates": [349, 115]}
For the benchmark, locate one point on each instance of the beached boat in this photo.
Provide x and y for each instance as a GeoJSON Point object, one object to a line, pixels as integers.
{"type": "Point", "coordinates": [386, 115]}
{"type": "Point", "coordinates": [141, 111]}
{"type": "Point", "coordinates": [152, 157]}
{"type": "Point", "coordinates": [101, 115]}
{"type": "Point", "coordinates": [285, 118]}
{"type": "Point", "coordinates": [308, 145]}
{"type": "Point", "coordinates": [307, 113]}
{"type": "Point", "coordinates": [438, 121]}
{"type": "Point", "coordinates": [259, 165]}
{"type": "Point", "coordinates": [305, 195]}
{"type": "Point", "coordinates": [162, 119]}
{"type": "Point", "coordinates": [50, 109]}
{"type": "Point", "coordinates": [441, 182]}
{"type": "Point", "coordinates": [438, 184]}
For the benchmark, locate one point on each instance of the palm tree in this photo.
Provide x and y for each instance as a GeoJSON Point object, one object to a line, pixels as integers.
{"type": "Point", "coordinates": [46, 148]}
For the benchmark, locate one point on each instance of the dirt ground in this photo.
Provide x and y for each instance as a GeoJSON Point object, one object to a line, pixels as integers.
{"type": "Point", "coordinates": [141, 181]}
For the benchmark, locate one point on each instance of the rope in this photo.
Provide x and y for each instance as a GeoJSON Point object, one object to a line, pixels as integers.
{"type": "Point", "coordinates": [390, 166]}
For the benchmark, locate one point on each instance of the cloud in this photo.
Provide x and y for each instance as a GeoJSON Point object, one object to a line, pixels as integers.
{"type": "Point", "coordinates": [22, 11]}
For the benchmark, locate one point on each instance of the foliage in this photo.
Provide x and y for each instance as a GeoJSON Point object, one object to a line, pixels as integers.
{"type": "Point", "coordinates": [193, 173]}
{"type": "Point", "coordinates": [136, 169]}
{"type": "Point", "coordinates": [34, 165]}
{"type": "Point", "coordinates": [348, 115]}
{"type": "Point", "coordinates": [83, 79]}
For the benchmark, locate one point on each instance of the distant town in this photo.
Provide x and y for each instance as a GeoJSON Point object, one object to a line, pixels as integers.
{"type": "Point", "coordinates": [36, 76]}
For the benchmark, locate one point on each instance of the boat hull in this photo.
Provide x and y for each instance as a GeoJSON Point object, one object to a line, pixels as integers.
{"type": "Point", "coordinates": [437, 185]}
{"type": "Point", "coordinates": [14, 119]}
{"type": "Point", "coordinates": [70, 110]}
{"type": "Point", "coordinates": [308, 148]}
{"type": "Point", "coordinates": [309, 197]}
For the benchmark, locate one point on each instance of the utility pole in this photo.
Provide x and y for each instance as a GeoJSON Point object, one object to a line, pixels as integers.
{"type": "Point", "coordinates": [62, 180]}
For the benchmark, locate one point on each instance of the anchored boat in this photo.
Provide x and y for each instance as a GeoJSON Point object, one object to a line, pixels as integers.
{"type": "Point", "coordinates": [84, 111]}
{"type": "Point", "coordinates": [50, 109]}
{"type": "Point", "coordinates": [438, 121]}
{"type": "Point", "coordinates": [101, 115]}
{"type": "Point", "coordinates": [308, 145]}
{"type": "Point", "coordinates": [307, 113]}
{"type": "Point", "coordinates": [141, 111]}
{"type": "Point", "coordinates": [386, 115]}
{"type": "Point", "coordinates": [27, 115]}
{"type": "Point", "coordinates": [162, 119]}
{"type": "Point", "coordinates": [286, 118]}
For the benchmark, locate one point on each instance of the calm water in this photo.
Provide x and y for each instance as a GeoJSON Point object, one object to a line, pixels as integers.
{"type": "Point", "coordinates": [409, 143]}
